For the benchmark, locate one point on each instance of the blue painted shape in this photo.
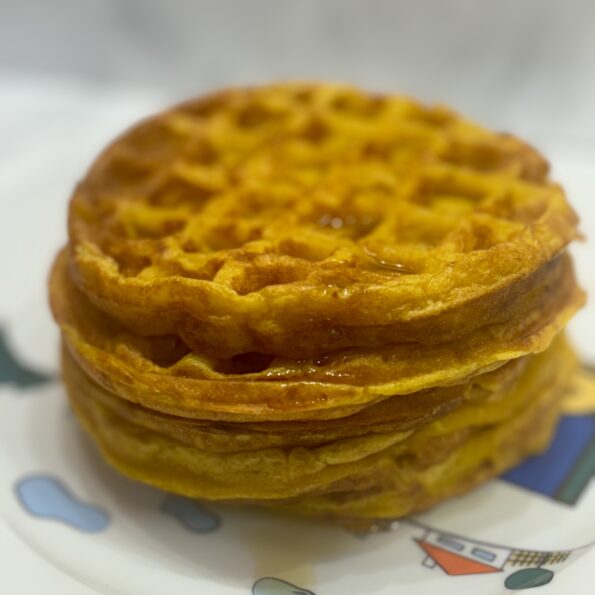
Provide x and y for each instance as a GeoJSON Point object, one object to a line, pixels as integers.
{"type": "Point", "coordinates": [561, 472]}
{"type": "Point", "coordinates": [192, 514]}
{"type": "Point", "coordinates": [12, 372]}
{"type": "Point", "coordinates": [269, 585]}
{"type": "Point", "coordinates": [47, 497]}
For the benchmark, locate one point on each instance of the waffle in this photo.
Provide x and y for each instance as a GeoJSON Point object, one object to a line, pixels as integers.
{"type": "Point", "coordinates": [297, 220]}
{"type": "Point", "coordinates": [159, 373]}
{"type": "Point", "coordinates": [163, 452]}
{"type": "Point", "coordinates": [318, 300]}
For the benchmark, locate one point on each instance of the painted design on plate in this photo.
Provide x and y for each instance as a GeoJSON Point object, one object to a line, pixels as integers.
{"type": "Point", "coordinates": [46, 497]}
{"type": "Point", "coordinates": [269, 585]}
{"type": "Point", "coordinates": [12, 372]}
{"type": "Point", "coordinates": [456, 555]}
{"type": "Point", "coordinates": [193, 515]}
{"type": "Point", "coordinates": [564, 471]}
{"type": "Point", "coordinates": [527, 578]}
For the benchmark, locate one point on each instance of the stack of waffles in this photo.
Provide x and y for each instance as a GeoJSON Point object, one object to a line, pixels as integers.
{"type": "Point", "coordinates": [316, 299]}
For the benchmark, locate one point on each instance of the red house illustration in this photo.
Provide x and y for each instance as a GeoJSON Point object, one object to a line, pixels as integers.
{"type": "Point", "coordinates": [457, 555]}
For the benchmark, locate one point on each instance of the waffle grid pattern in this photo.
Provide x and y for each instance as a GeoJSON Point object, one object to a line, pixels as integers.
{"type": "Point", "coordinates": [262, 198]}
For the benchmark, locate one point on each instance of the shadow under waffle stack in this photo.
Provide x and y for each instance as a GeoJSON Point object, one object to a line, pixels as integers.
{"type": "Point", "coordinates": [316, 299]}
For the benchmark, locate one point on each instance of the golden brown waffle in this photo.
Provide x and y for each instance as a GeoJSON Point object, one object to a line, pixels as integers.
{"type": "Point", "coordinates": [318, 300]}
{"type": "Point", "coordinates": [160, 373]}
{"type": "Point", "coordinates": [294, 220]}
{"type": "Point", "coordinates": [387, 461]}
{"type": "Point", "coordinates": [399, 413]}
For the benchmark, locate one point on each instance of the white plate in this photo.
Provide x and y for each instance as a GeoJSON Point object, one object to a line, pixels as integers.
{"type": "Point", "coordinates": [69, 524]}
{"type": "Point", "coordinates": [118, 536]}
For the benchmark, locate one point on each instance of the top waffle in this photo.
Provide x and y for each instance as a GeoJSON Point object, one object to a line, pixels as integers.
{"type": "Point", "coordinates": [294, 220]}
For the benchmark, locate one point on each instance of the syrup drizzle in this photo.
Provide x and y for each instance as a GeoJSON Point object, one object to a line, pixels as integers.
{"type": "Point", "coordinates": [397, 267]}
